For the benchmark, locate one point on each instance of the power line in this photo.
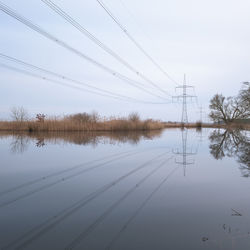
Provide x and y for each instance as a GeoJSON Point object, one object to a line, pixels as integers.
{"type": "Point", "coordinates": [201, 112]}
{"type": "Point", "coordinates": [47, 225]}
{"type": "Point", "coordinates": [138, 23]}
{"type": "Point", "coordinates": [41, 31]}
{"type": "Point", "coordinates": [63, 77]}
{"type": "Point", "coordinates": [133, 216]}
{"type": "Point", "coordinates": [58, 173]}
{"type": "Point", "coordinates": [91, 227]}
{"type": "Point", "coordinates": [64, 179]}
{"type": "Point", "coordinates": [55, 81]}
{"type": "Point", "coordinates": [69, 169]}
{"type": "Point", "coordinates": [84, 31]}
{"type": "Point", "coordinates": [119, 97]}
{"type": "Point", "coordinates": [184, 96]}
{"type": "Point", "coordinates": [124, 29]}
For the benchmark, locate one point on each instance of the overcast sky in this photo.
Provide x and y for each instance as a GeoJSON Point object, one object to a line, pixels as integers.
{"type": "Point", "coordinates": [207, 40]}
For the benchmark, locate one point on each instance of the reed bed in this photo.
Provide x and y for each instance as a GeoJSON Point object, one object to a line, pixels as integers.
{"type": "Point", "coordinates": [70, 124]}
{"type": "Point", "coordinates": [94, 122]}
{"type": "Point", "coordinates": [107, 125]}
{"type": "Point", "coordinates": [20, 138]}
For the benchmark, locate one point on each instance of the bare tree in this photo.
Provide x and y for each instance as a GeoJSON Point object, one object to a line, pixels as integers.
{"type": "Point", "coordinates": [232, 143]}
{"type": "Point", "coordinates": [134, 117]}
{"type": "Point", "coordinates": [244, 96]}
{"type": "Point", "coordinates": [231, 108]}
{"type": "Point", "coordinates": [19, 114]}
{"type": "Point", "coordinates": [95, 117]}
{"type": "Point", "coordinates": [218, 108]}
{"type": "Point", "coordinates": [40, 117]}
{"type": "Point", "coordinates": [19, 144]}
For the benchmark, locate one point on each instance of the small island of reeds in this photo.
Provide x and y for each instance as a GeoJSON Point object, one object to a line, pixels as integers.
{"type": "Point", "coordinates": [77, 122]}
{"type": "Point", "coordinates": [22, 122]}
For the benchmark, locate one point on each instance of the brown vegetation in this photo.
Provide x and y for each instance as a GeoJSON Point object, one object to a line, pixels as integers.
{"type": "Point", "coordinates": [81, 122]}
{"type": "Point", "coordinates": [94, 122]}
{"type": "Point", "coordinates": [21, 139]}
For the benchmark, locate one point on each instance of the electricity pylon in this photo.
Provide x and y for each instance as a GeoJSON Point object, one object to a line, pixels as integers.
{"type": "Point", "coordinates": [184, 96]}
{"type": "Point", "coordinates": [184, 152]}
{"type": "Point", "coordinates": [201, 112]}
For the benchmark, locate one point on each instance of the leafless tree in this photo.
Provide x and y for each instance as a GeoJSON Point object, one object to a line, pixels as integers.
{"type": "Point", "coordinates": [134, 117]}
{"type": "Point", "coordinates": [40, 117]}
{"type": "Point", "coordinates": [95, 117]}
{"type": "Point", "coordinates": [19, 144]}
{"type": "Point", "coordinates": [232, 143]}
{"type": "Point", "coordinates": [19, 114]}
{"type": "Point", "coordinates": [231, 108]}
{"type": "Point", "coordinates": [244, 96]}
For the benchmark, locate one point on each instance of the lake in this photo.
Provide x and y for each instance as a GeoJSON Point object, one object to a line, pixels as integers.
{"type": "Point", "coordinates": [172, 189]}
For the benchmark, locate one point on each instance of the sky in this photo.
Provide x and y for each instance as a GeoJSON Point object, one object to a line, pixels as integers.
{"type": "Point", "coordinates": [206, 40]}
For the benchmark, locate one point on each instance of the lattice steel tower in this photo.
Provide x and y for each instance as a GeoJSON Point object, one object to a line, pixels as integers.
{"type": "Point", "coordinates": [184, 153]}
{"type": "Point", "coordinates": [184, 96]}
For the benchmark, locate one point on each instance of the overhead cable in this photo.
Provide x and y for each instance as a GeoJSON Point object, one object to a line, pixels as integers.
{"type": "Point", "coordinates": [41, 31]}
{"type": "Point", "coordinates": [84, 31]}
{"type": "Point", "coordinates": [124, 29]}
{"type": "Point", "coordinates": [41, 77]}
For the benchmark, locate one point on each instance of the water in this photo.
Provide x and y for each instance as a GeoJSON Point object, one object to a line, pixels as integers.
{"type": "Point", "coordinates": [176, 189]}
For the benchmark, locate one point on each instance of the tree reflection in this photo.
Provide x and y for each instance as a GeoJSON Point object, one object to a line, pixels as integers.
{"type": "Point", "coordinates": [40, 142]}
{"type": "Point", "coordinates": [19, 144]}
{"type": "Point", "coordinates": [232, 143]}
{"type": "Point", "coordinates": [20, 141]}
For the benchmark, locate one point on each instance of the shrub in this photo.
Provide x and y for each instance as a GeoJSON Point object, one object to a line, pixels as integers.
{"type": "Point", "coordinates": [80, 117]}
{"type": "Point", "coordinates": [134, 117]}
{"type": "Point", "coordinates": [85, 117]}
{"type": "Point", "coordinates": [40, 117]}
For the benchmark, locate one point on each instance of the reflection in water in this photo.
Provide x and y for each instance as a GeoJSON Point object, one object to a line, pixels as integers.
{"type": "Point", "coordinates": [137, 211]}
{"type": "Point", "coordinates": [33, 234]}
{"type": "Point", "coordinates": [232, 143]}
{"type": "Point", "coordinates": [230, 236]}
{"type": "Point", "coordinates": [79, 238]}
{"type": "Point", "coordinates": [65, 175]}
{"type": "Point", "coordinates": [113, 199]}
{"type": "Point", "coordinates": [21, 140]}
{"type": "Point", "coordinates": [19, 144]}
{"type": "Point", "coordinates": [40, 142]}
{"type": "Point", "coordinates": [184, 152]}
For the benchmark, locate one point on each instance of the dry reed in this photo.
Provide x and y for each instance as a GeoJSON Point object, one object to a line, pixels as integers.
{"type": "Point", "coordinates": [70, 124]}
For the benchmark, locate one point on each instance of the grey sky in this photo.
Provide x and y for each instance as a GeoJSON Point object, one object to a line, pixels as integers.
{"type": "Point", "coordinates": [207, 40]}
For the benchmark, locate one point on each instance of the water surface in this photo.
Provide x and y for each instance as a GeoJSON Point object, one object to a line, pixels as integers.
{"type": "Point", "coordinates": [175, 189]}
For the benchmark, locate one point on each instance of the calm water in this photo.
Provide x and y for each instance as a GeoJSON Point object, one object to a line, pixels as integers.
{"type": "Point", "coordinates": [159, 190]}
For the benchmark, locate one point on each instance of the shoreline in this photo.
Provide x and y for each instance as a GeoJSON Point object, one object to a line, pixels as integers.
{"type": "Point", "coordinates": [209, 125]}
{"type": "Point", "coordinates": [107, 126]}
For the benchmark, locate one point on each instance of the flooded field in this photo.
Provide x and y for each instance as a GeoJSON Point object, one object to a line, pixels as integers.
{"type": "Point", "coordinates": [174, 189]}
